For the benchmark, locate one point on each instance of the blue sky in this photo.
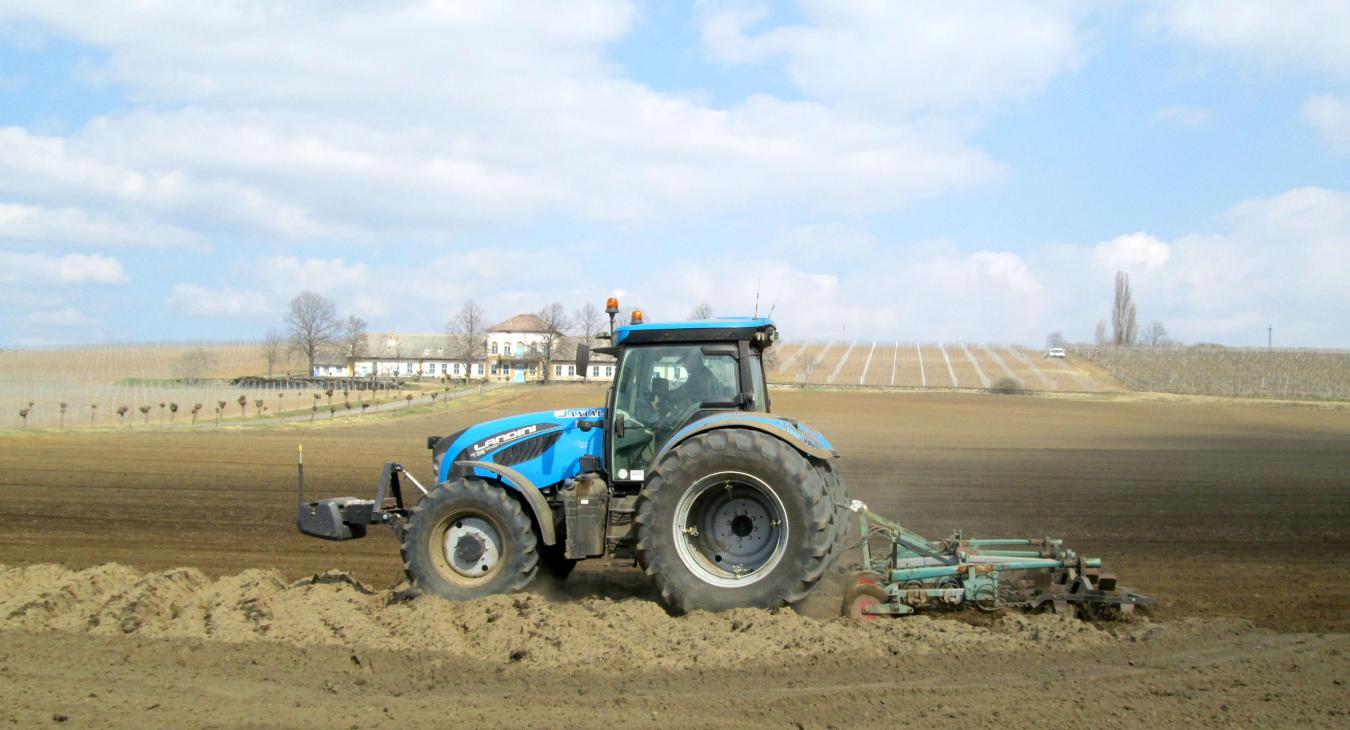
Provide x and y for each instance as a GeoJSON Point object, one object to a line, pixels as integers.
{"type": "Point", "coordinates": [906, 171]}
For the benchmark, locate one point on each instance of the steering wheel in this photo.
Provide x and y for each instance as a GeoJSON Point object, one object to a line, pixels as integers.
{"type": "Point", "coordinates": [676, 416]}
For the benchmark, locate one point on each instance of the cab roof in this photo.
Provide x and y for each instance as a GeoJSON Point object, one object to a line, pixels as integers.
{"type": "Point", "coordinates": [720, 329]}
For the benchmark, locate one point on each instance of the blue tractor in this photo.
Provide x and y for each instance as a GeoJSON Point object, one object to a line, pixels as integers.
{"type": "Point", "coordinates": [684, 472]}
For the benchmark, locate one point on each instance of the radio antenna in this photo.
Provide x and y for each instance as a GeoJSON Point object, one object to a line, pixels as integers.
{"type": "Point", "coordinates": [757, 298]}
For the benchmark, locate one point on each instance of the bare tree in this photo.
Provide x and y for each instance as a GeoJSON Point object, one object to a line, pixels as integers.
{"type": "Point", "coordinates": [353, 338]}
{"type": "Point", "coordinates": [1155, 334]}
{"type": "Point", "coordinates": [1099, 335]}
{"type": "Point", "coordinates": [468, 333]}
{"type": "Point", "coordinates": [1124, 328]}
{"type": "Point", "coordinates": [194, 364]}
{"type": "Point", "coordinates": [556, 324]}
{"type": "Point", "coordinates": [587, 321]}
{"type": "Point", "coordinates": [702, 311]}
{"type": "Point", "coordinates": [273, 348]}
{"type": "Point", "coordinates": [312, 323]}
{"type": "Point", "coordinates": [1055, 339]}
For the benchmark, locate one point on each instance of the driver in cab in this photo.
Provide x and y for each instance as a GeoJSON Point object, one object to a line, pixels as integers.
{"type": "Point", "coordinates": [696, 389]}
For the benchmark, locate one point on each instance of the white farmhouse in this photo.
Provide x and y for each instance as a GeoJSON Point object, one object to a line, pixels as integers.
{"type": "Point", "coordinates": [516, 350]}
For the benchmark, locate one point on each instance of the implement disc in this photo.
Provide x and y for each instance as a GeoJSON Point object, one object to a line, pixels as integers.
{"type": "Point", "coordinates": [860, 597]}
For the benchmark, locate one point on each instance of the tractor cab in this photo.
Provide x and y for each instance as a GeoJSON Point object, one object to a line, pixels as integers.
{"type": "Point", "coordinates": [673, 374]}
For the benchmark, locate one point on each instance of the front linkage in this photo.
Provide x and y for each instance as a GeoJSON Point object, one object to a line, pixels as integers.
{"type": "Point", "coordinates": [346, 518]}
{"type": "Point", "coordinates": [916, 573]}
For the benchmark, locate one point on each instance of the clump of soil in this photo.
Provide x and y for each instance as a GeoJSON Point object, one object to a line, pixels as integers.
{"type": "Point", "coordinates": [597, 633]}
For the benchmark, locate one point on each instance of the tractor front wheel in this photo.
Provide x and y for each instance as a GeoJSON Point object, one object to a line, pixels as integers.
{"type": "Point", "coordinates": [735, 518]}
{"type": "Point", "coordinates": [467, 539]}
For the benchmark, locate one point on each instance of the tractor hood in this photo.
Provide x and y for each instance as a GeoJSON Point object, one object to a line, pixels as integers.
{"type": "Point", "coordinates": [546, 447]}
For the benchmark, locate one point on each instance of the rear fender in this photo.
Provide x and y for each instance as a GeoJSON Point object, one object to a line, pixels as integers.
{"type": "Point", "coordinates": [534, 499]}
{"type": "Point", "coordinates": [794, 433]}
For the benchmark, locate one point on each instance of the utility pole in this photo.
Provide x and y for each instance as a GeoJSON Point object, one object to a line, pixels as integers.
{"type": "Point", "coordinates": [1270, 338]}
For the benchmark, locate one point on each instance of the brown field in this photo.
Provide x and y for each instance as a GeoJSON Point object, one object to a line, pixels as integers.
{"type": "Point", "coordinates": [1234, 514]}
{"type": "Point", "coordinates": [109, 363]}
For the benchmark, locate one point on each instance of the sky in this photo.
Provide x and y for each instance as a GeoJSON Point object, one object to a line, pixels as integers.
{"type": "Point", "coordinates": [176, 170]}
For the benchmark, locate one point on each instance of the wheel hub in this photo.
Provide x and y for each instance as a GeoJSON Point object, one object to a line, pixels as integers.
{"type": "Point", "coordinates": [469, 548]}
{"type": "Point", "coordinates": [472, 547]}
{"type": "Point", "coordinates": [730, 529]}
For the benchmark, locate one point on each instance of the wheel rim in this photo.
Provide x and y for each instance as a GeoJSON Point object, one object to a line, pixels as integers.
{"type": "Point", "coordinates": [730, 529]}
{"type": "Point", "coordinates": [467, 548]}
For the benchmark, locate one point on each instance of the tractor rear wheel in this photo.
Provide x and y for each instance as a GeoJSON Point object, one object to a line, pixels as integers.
{"type": "Point", "coordinates": [467, 539]}
{"type": "Point", "coordinates": [735, 518]}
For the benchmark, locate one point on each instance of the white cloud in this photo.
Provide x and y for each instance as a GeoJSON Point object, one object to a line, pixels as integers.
{"type": "Point", "coordinates": [270, 282]}
{"type": "Point", "coordinates": [42, 224]}
{"type": "Point", "coordinates": [1278, 260]}
{"type": "Point", "coordinates": [1308, 33]}
{"type": "Point", "coordinates": [824, 241]}
{"type": "Point", "coordinates": [503, 280]}
{"type": "Point", "coordinates": [200, 301]}
{"type": "Point", "coordinates": [907, 56]}
{"type": "Point", "coordinates": [1330, 116]}
{"type": "Point", "coordinates": [282, 274]}
{"type": "Point", "coordinates": [322, 122]}
{"type": "Point", "coordinates": [38, 270]}
{"type": "Point", "coordinates": [65, 318]}
{"type": "Point", "coordinates": [1185, 116]}
{"type": "Point", "coordinates": [1132, 251]}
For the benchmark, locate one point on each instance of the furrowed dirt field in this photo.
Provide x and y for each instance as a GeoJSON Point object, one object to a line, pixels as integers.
{"type": "Point", "coordinates": [1234, 514]}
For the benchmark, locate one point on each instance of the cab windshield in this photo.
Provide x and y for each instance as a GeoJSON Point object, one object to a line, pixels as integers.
{"type": "Point", "coordinates": [658, 389]}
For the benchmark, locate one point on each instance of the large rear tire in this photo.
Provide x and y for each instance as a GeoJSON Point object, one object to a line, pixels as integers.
{"type": "Point", "coordinates": [736, 518]}
{"type": "Point", "coordinates": [468, 539]}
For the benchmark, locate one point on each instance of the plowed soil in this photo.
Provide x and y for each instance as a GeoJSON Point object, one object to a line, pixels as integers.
{"type": "Point", "coordinates": [155, 578]}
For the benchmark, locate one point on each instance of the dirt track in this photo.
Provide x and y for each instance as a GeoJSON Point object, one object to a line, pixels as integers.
{"type": "Point", "coordinates": [1234, 514]}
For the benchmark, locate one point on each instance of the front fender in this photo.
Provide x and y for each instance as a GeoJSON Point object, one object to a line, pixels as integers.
{"type": "Point", "coordinates": [543, 516]}
{"type": "Point", "coordinates": [795, 433]}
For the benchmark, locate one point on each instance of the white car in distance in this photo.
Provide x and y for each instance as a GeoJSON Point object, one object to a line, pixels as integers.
{"type": "Point", "coordinates": [1057, 352]}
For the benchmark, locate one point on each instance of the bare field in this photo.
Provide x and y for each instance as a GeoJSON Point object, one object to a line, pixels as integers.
{"type": "Point", "coordinates": [109, 363]}
{"type": "Point", "coordinates": [1234, 514]}
{"type": "Point", "coordinates": [94, 382]}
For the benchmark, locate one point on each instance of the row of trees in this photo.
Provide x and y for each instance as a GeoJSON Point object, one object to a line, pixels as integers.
{"type": "Point", "coordinates": [312, 326]}
{"type": "Point", "coordinates": [259, 404]}
{"type": "Point", "coordinates": [1125, 330]}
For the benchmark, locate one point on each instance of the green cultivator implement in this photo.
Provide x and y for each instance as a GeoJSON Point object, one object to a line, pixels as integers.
{"type": "Point", "coordinates": [917, 574]}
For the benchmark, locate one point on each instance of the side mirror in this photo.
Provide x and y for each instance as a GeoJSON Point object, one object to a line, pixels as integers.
{"type": "Point", "coordinates": [583, 358]}
{"type": "Point", "coordinates": [618, 426]}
